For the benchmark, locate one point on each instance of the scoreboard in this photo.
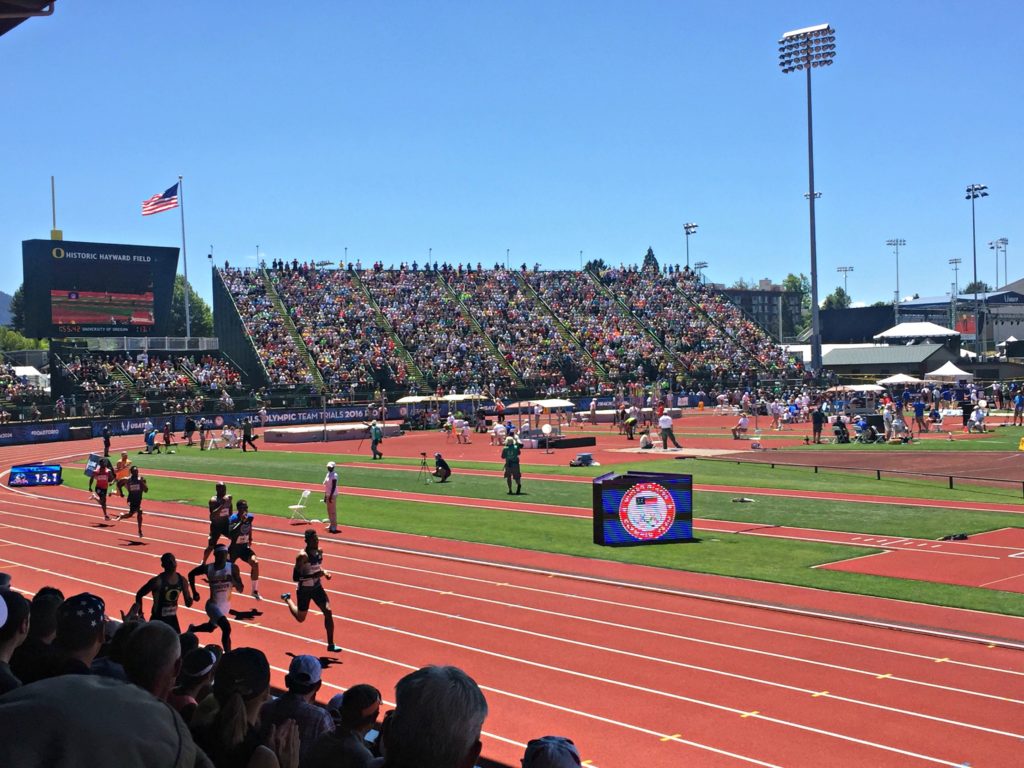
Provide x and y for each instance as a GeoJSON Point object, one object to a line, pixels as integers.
{"type": "Point", "coordinates": [25, 475]}
{"type": "Point", "coordinates": [97, 289]}
{"type": "Point", "coordinates": [642, 508]}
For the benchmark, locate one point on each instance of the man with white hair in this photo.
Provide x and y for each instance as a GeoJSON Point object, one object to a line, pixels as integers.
{"type": "Point", "coordinates": [439, 713]}
{"type": "Point", "coordinates": [331, 497]}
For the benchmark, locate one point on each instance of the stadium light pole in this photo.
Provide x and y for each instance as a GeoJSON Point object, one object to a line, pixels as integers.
{"type": "Point", "coordinates": [507, 250]}
{"type": "Point", "coordinates": [995, 245]}
{"type": "Point", "coordinates": [581, 261]}
{"type": "Point", "coordinates": [895, 244]}
{"type": "Point", "coordinates": [955, 263]}
{"type": "Point", "coordinates": [799, 50]}
{"type": "Point", "coordinates": [700, 266]}
{"type": "Point", "coordinates": [846, 271]}
{"type": "Point", "coordinates": [974, 191]}
{"type": "Point", "coordinates": [689, 229]}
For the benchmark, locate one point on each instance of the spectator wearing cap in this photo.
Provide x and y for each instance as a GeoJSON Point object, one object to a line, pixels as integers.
{"type": "Point", "coordinates": [355, 713]}
{"type": "Point", "coordinates": [299, 704]}
{"type": "Point", "coordinates": [193, 684]}
{"type": "Point", "coordinates": [331, 496]}
{"type": "Point", "coordinates": [441, 469]}
{"type": "Point", "coordinates": [226, 725]}
{"type": "Point", "coordinates": [152, 658]}
{"type": "Point", "coordinates": [81, 622]}
{"type": "Point", "coordinates": [33, 658]}
{"type": "Point", "coordinates": [439, 713]}
{"type": "Point", "coordinates": [376, 438]}
{"type": "Point", "coordinates": [14, 626]}
{"type": "Point", "coordinates": [551, 752]}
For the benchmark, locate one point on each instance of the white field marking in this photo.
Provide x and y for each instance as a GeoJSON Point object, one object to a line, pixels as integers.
{"type": "Point", "coordinates": [1008, 578]}
{"type": "Point", "coordinates": [699, 524]}
{"type": "Point", "coordinates": [528, 662]}
{"type": "Point", "coordinates": [551, 668]}
{"type": "Point", "coordinates": [520, 697]}
{"type": "Point", "coordinates": [602, 622]}
{"type": "Point", "coordinates": [416, 553]}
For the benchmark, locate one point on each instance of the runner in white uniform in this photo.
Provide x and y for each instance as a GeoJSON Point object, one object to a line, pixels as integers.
{"type": "Point", "coordinates": [222, 575]}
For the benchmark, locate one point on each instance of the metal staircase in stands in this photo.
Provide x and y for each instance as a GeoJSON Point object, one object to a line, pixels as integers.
{"type": "Point", "coordinates": [286, 319]}
{"type": "Point", "coordinates": [476, 325]}
{"type": "Point", "coordinates": [563, 329]}
{"type": "Point", "coordinates": [416, 377]}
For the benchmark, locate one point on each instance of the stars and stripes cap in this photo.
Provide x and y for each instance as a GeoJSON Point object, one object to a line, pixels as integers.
{"type": "Point", "coordinates": [79, 616]}
{"type": "Point", "coordinates": [158, 203]}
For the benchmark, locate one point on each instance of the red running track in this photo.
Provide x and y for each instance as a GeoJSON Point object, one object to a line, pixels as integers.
{"type": "Point", "coordinates": [632, 674]}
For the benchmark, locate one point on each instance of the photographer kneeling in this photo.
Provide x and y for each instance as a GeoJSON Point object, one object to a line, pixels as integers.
{"type": "Point", "coordinates": [441, 468]}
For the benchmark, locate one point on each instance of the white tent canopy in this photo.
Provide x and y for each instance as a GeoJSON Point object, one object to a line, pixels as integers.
{"type": "Point", "coordinates": [461, 398]}
{"type": "Point", "coordinates": [552, 403]}
{"type": "Point", "coordinates": [855, 388]}
{"type": "Point", "coordinates": [1008, 340]}
{"type": "Point", "coordinates": [414, 399]}
{"type": "Point", "coordinates": [916, 331]}
{"type": "Point", "coordinates": [899, 378]}
{"type": "Point", "coordinates": [949, 372]}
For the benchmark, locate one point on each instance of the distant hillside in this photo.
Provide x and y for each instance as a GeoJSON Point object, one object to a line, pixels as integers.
{"type": "Point", "coordinates": [5, 308]}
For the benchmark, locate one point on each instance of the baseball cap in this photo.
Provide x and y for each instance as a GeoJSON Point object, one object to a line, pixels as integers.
{"type": "Point", "coordinates": [78, 617]}
{"type": "Point", "coordinates": [331, 465]}
{"type": "Point", "coordinates": [303, 672]}
{"type": "Point", "coordinates": [244, 671]}
{"type": "Point", "coordinates": [3, 611]}
{"type": "Point", "coordinates": [551, 752]}
{"type": "Point", "coordinates": [437, 455]}
{"type": "Point", "coordinates": [198, 662]}
{"type": "Point", "coordinates": [509, 441]}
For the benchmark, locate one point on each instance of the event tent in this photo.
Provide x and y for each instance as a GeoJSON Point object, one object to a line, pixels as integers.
{"type": "Point", "coordinates": [916, 331]}
{"type": "Point", "coordinates": [900, 378]}
{"type": "Point", "coordinates": [949, 372]}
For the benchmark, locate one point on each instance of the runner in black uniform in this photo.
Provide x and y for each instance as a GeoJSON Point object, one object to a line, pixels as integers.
{"type": "Point", "coordinates": [165, 588]}
{"type": "Point", "coordinates": [240, 533]}
{"type": "Point", "coordinates": [220, 516]}
{"type": "Point", "coordinates": [136, 486]}
{"type": "Point", "coordinates": [307, 572]}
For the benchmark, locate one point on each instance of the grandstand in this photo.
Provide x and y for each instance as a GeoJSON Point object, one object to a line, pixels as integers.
{"type": "Point", "coordinates": [516, 332]}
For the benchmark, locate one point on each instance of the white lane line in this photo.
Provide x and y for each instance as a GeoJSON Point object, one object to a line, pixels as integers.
{"type": "Point", "coordinates": [410, 667]}
{"type": "Point", "coordinates": [562, 614]}
{"type": "Point", "coordinates": [573, 596]}
{"type": "Point", "coordinates": [645, 657]}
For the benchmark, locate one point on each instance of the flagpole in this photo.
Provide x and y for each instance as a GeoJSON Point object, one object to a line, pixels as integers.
{"type": "Point", "coordinates": [184, 256]}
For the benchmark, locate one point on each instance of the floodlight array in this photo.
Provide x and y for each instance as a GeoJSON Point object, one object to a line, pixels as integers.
{"type": "Point", "coordinates": [807, 48]}
{"type": "Point", "coordinates": [974, 191]}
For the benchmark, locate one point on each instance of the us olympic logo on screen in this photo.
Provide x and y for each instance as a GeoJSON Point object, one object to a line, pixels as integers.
{"type": "Point", "coordinates": [647, 511]}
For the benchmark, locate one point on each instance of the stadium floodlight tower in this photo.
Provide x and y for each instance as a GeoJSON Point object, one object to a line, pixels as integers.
{"type": "Point", "coordinates": [690, 229]}
{"type": "Point", "coordinates": [974, 191]}
{"type": "Point", "coordinates": [996, 245]}
{"type": "Point", "coordinates": [895, 244]}
{"type": "Point", "coordinates": [803, 50]}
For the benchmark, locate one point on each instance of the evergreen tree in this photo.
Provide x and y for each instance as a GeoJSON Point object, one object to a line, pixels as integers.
{"type": "Point", "coordinates": [650, 262]}
{"type": "Point", "coordinates": [202, 317]}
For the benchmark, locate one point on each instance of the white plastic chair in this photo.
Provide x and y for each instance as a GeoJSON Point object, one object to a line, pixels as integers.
{"type": "Point", "coordinates": [298, 510]}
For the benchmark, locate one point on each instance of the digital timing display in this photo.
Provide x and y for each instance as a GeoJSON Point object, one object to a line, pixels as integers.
{"type": "Point", "coordinates": [35, 474]}
{"type": "Point", "coordinates": [642, 508]}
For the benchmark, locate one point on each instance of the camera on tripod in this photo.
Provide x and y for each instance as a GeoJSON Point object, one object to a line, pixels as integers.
{"type": "Point", "coordinates": [423, 453]}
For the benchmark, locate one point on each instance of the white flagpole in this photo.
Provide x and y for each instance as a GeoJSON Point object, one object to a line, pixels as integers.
{"type": "Point", "coordinates": [184, 256]}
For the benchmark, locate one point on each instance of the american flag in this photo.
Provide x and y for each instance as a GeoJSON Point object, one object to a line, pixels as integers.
{"type": "Point", "coordinates": [160, 203]}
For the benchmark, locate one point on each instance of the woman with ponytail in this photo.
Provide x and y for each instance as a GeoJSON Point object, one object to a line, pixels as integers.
{"type": "Point", "coordinates": [227, 727]}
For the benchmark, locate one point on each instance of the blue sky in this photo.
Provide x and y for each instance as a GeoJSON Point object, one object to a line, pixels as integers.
{"type": "Point", "coordinates": [545, 128]}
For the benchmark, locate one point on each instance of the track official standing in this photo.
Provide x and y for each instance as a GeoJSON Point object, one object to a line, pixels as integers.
{"type": "Point", "coordinates": [331, 497]}
{"type": "Point", "coordinates": [376, 438]}
{"type": "Point", "coordinates": [510, 453]}
{"type": "Point", "coordinates": [665, 428]}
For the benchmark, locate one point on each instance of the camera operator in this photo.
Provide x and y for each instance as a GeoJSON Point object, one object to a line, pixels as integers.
{"type": "Point", "coordinates": [441, 468]}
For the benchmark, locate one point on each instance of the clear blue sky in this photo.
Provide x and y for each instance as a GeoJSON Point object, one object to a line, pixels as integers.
{"type": "Point", "coordinates": [545, 128]}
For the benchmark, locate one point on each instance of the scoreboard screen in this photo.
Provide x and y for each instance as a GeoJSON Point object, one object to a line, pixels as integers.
{"type": "Point", "coordinates": [97, 289]}
{"type": "Point", "coordinates": [25, 475]}
{"type": "Point", "coordinates": [642, 508]}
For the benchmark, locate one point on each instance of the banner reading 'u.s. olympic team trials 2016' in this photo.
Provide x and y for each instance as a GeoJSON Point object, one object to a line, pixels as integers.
{"type": "Point", "coordinates": [97, 289]}
{"type": "Point", "coordinates": [133, 425]}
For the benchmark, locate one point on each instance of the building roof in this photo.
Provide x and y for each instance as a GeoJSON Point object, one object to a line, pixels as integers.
{"type": "Point", "coordinates": [894, 355]}
{"type": "Point", "coordinates": [916, 331]}
{"type": "Point", "coordinates": [14, 12]}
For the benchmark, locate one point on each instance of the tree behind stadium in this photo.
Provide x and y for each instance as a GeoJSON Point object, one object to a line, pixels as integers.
{"type": "Point", "coordinates": [202, 317]}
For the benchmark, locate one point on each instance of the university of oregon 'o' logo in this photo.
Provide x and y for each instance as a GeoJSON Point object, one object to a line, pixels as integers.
{"type": "Point", "coordinates": [57, 253]}
{"type": "Point", "coordinates": [647, 511]}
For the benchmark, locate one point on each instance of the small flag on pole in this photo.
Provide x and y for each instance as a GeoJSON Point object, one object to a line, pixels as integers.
{"type": "Point", "coordinates": [160, 203]}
